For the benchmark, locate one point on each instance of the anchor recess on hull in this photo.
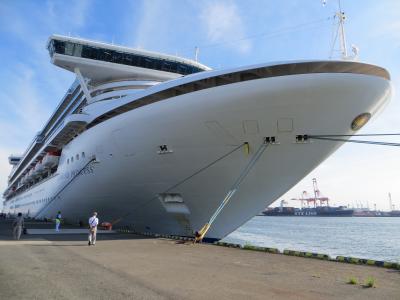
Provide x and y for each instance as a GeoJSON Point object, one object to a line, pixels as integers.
{"type": "Point", "coordinates": [271, 140]}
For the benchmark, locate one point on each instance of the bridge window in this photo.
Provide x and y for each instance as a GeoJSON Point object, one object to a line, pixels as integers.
{"type": "Point", "coordinates": [78, 50]}
{"type": "Point", "coordinates": [69, 48]}
{"type": "Point", "coordinates": [108, 55]}
{"type": "Point", "coordinates": [77, 157]}
{"type": "Point", "coordinates": [83, 154]}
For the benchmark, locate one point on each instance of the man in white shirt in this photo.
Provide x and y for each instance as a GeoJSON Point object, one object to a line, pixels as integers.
{"type": "Point", "coordinates": [18, 224]}
{"type": "Point", "coordinates": [93, 222]}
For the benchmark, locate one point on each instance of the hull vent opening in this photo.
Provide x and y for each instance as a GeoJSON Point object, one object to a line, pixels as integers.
{"type": "Point", "coordinates": [173, 203]}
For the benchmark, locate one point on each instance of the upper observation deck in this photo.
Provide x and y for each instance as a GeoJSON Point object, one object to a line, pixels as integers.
{"type": "Point", "coordinates": [102, 62]}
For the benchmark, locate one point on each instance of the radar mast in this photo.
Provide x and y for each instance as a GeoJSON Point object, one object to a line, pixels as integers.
{"type": "Point", "coordinates": [340, 16]}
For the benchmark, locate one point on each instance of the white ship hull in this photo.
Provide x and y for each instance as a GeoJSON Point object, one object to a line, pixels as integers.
{"type": "Point", "coordinates": [198, 128]}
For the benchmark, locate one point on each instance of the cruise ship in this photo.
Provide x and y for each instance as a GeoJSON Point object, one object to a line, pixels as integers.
{"type": "Point", "coordinates": [155, 141]}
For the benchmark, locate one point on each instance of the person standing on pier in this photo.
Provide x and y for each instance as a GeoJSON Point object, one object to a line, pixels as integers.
{"type": "Point", "coordinates": [18, 224]}
{"type": "Point", "coordinates": [58, 221]}
{"type": "Point", "coordinates": [93, 222]}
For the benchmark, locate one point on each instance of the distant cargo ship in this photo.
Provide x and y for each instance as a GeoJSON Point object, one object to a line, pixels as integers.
{"type": "Point", "coordinates": [320, 211]}
{"type": "Point", "coordinates": [366, 212]}
{"type": "Point", "coordinates": [376, 213]}
{"type": "Point", "coordinates": [394, 213]}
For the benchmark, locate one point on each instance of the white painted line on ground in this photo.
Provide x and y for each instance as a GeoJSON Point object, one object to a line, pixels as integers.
{"type": "Point", "coordinates": [22, 242]}
{"type": "Point", "coordinates": [66, 231]}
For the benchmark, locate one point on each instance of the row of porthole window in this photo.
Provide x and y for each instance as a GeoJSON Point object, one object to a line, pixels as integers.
{"type": "Point", "coordinates": [42, 200]}
{"type": "Point", "coordinates": [35, 202]}
{"type": "Point", "coordinates": [71, 160]}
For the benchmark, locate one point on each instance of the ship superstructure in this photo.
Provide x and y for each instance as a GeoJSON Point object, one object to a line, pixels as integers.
{"type": "Point", "coordinates": [105, 68]}
{"type": "Point", "coordinates": [135, 123]}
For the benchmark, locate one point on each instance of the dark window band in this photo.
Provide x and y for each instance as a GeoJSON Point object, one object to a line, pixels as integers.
{"type": "Point", "coordinates": [112, 56]}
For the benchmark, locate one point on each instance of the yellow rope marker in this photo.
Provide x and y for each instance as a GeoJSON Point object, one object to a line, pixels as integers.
{"type": "Point", "coordinates": [247, 148]}
{"type": "Point", "coordinates": [199, 235]}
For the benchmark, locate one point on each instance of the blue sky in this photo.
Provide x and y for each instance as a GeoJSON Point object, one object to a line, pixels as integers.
{"type": "Point", "coordinates": [230, 34]}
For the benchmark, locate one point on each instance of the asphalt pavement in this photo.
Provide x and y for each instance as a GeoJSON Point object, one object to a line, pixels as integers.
{"type": "Point", "coordinates": [128, 266]}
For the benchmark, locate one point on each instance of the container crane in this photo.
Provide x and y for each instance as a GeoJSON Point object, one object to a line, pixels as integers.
{"type": "Point", "coordinates": [317, 194]}
{"type": "Point", "coordinates": [306, 197]}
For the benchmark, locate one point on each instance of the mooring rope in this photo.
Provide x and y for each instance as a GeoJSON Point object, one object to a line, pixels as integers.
{"type": "Point", "coordinates": [362, 134]}
{"type": "Point", "coordinates": [337, 138]}
{"type": "Point", "coordinates": [183, 180]}
{"type": "Point", "coordinates": [199, 235]}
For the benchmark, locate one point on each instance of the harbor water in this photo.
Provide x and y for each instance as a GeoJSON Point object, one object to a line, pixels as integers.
{"type": "Point", "coordinates": [372, 238]}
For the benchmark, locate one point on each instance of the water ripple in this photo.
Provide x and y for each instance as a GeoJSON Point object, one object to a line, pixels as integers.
{"type": "Point", "coordinates": [372, 238]}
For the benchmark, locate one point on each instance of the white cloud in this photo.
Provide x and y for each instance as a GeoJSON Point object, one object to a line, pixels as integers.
{"type": "Point", "coordinates": [54, 17]}
{"type": "Point", "coordinates": [28, 110]}
{"type": "Point", "coordinates": [25, 100]}
{"type": "Point", "coordinates": [390, 30]}
{"type": "Point", "coordinates": [72, 16]}
{"type": "Point", "coordinates": [11, 22]}
{"type": "Point", "coordinates": [149, 25]}
{"type": "Point", "coordinates": [384, 15]}
{"type": "Point", "coordinates": [155, 27]}
{"type": "Point", "coordinates": [32, 86]}
{"type": "Point", "coordinates": [223, 23]}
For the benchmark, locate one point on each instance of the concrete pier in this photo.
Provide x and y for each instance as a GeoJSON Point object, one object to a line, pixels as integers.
{"type": "Point", "coordinates": [127, 266]}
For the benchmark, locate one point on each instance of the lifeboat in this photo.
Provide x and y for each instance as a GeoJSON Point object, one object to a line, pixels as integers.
{"type": "Point", "coordinates": [40, 167]}
{"type": "Point", "coordinates": [51, 159]}
{"type": "Point", "coordinates": [30, 173]}
{"type": "Point", "coordinates": [25, 178]}
{"type": "Point", "coordinates": [35, 172]}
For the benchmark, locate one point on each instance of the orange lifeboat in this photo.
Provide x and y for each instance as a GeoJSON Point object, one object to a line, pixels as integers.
{"type": "Point", "coordinates": [51, 159]}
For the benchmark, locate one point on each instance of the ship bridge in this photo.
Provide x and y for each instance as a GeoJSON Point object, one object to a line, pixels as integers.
{"type": "Point", "coordinates": [102, 62]}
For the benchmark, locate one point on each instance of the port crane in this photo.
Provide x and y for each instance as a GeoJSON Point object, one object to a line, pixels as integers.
{"type": "Point", "coordinates": [317, 197]}
{"type": "Point", "coordinates": [305, 197]}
